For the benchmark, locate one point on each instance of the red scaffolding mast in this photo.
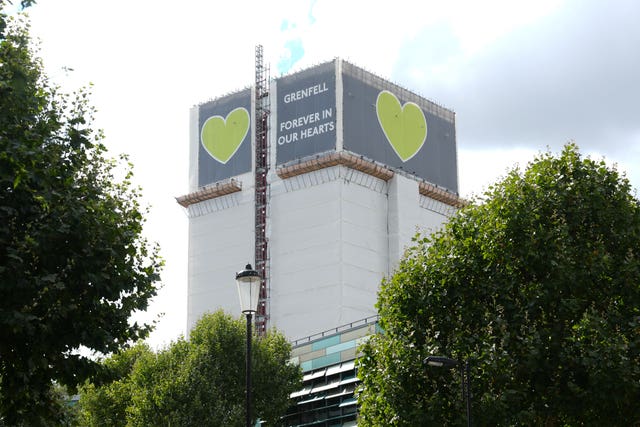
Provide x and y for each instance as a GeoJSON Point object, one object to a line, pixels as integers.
{"type": "Point", "coordinates": [261, 187]}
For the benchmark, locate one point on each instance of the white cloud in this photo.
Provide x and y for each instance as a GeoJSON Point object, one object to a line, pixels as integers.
{"type": "Point", "coordinates": [479, 24]}
{"type": "Point", "coordinates": [480, 168]}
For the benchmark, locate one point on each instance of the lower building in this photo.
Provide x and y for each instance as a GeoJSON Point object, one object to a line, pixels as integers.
{"type": "Point", "coordinates": [328, 363]}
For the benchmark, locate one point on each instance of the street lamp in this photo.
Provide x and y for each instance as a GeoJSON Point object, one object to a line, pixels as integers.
{"type": "Point", "coordinates": [248, 282]}
{"type": "Point", "coordinates": [446, 362]}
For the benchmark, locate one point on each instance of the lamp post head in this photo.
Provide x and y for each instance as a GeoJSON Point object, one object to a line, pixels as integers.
{"type": "Point", "coordinates": [248, 283]}
{"type": "Point", "coordinates": [440, 361]}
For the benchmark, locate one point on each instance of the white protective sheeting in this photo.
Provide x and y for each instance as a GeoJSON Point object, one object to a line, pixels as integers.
{"type": "Point", "coordinates": [333, 234]}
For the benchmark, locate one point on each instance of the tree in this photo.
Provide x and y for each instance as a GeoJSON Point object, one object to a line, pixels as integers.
{"type": "Point", "coordinates": [106, 404]}
{"type": "Point", "coordinates": [73, 263]}
{"type": "Point", "coordinates": [199, 381]}
{"type": "Point", "coordinates": [538, 285]}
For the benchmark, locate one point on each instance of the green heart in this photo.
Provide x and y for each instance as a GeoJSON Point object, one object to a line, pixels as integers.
{"type": "Point", "coordinates": [222, 137]}
{"type": "Point", "coordinates": [404, 126]}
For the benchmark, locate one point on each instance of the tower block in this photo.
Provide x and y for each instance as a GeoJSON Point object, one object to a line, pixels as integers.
{"type": "Point", "coordinates": [356, 165]}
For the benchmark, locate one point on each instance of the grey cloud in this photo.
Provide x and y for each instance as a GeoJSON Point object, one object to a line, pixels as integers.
{"type": "Point", "coordinates": [572, 75]}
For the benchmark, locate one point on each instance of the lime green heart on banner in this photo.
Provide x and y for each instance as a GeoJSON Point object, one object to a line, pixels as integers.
{"type": "Point", "coordinates": [221, 137]}
{"type": "Point", "coordinates": [404, 126]}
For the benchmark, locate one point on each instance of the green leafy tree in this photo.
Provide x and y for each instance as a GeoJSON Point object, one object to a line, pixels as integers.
{"type": "Point", "coordinates": [73, 263]}
{"type": "Point", "coordinates": [106, 404]}
{"type": "Point", "coordinates": [199, 381]}
{"type": "Point", "coordinates": [538, 285]}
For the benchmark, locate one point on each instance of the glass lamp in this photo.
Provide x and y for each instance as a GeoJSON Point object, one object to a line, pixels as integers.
{"type": "Point", "coordinates": [248, 282]}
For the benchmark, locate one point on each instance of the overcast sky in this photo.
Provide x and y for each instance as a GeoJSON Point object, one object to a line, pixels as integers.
{"type": "Point", "coordinates": [520, 75]}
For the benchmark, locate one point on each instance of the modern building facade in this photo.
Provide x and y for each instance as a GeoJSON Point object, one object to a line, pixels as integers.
{"type": "Point", "coordinates": [328, 362]}
{"type": "Point", "coordinates": [353, 166]}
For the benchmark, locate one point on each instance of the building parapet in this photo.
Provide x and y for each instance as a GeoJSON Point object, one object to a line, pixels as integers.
{"type": "Point", "coordinates": [441, 195]}
{"type": "Point", "coordinates": [346, 327]}
{"type": "Point", "coordinates": [333, 159]}
{"type": "Point", "coordinates": [217, 189]}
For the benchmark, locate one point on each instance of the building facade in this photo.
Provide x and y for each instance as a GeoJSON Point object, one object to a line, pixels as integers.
{"type": "Point", "coordinates": [328, 362]}
{"type": "Point", "coordinates": [355, 166]}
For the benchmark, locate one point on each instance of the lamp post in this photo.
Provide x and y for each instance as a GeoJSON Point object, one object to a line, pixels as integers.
{"type": "Point", "coordinates": [248, 282]}
{"type": "Point", "coordinates": [446, 362]}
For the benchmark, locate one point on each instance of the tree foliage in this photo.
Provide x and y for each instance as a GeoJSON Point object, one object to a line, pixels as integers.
{"type": "Point", "coordinates": [105, 404]}
{"type": "Point", "coordinates": [73, 263]}
{"type": "Point", "coordinates": [200, 381]}
{"type": "Point", "coordinates": [538, 285]}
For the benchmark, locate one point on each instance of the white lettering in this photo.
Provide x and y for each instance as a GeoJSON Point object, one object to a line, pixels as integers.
{"type": "Point", "coordinates": [305, 93]}
{"type": "Point", "coordinates": [317, 130]}
{"type": "Point", "coordinates": [288, 138]}
{"type": "Point", "coordinates": [300, 121]}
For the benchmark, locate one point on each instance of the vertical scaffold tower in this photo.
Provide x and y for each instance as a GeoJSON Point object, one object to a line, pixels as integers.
{"type": "Point", "coordinates": [261, 187]}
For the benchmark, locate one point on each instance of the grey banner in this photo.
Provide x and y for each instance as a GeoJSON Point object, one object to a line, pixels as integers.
{"type": "Point", "coordinates": [224, 138]}
{"type": "Point", "coordinates": [306, 109]}
{"type": "Point", "coordinates": [372, 109]}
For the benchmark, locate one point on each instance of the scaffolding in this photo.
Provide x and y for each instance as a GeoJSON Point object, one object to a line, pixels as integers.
{"type": "Point", "coordinates": [261, 187]}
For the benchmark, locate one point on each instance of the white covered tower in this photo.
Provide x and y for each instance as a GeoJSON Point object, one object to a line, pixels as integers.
{"type": "Point", "coordinates": [354, 166]}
